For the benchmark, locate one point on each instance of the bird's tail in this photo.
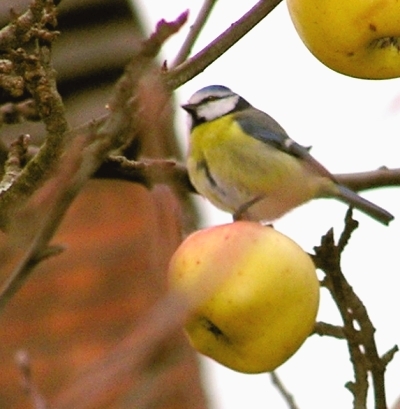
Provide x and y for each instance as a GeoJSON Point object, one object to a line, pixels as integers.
{"type": "Point", "coordinates": [353, 199]}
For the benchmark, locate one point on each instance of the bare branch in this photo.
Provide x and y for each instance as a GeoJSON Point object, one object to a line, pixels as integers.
{"type": "Point", "coordinates": [198, 63]}
{"type": "Point", "coordinates": [153, 171]}
{"type": "Point", "coordinates": [323, 328]}
{"type": "Point", "coordinates": [382, 177]}
{"type": "Point", "coordinates": [358, 328]}
{"type": "Point", "coordinates": [17, 278]}
{"type": "Point", "coordinates": [389, 355]}
{"type": "Point", "coordinates": [13, 113]}
{"type": "Point", "coordinates": [146, 171]}
{"type": "Point", "coordinates": [287, 396]}
{"type": "Point", "coordinates": [350, 225]}
{"type": "Point", "coordinates": [194, 33]}
{"type": "Point", "coordinates": [24, 365]}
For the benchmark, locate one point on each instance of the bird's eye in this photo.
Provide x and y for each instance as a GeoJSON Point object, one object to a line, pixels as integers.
{"type": "Point", "coordinates": [210, 98]}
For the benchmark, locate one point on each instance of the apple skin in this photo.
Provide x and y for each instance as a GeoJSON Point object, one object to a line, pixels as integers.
{"type": "Point", "coordinates": [357, 38]}
{"type": "Point", "coordinates": [265, 306]}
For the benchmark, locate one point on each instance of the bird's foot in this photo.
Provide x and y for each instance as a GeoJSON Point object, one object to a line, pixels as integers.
{"type": "Point", "coordinates": [240, 213]}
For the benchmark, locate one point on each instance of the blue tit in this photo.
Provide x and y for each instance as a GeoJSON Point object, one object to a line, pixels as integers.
{"type": "Point", "coordinates": [244, 162]}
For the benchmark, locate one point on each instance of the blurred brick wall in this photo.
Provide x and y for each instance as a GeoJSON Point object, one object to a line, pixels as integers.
{"type": "Point", "coordinates": [119, 236]}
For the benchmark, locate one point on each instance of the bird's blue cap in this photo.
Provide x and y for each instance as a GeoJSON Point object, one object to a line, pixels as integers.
{"type": "Point", "coordinates": [214, 88]}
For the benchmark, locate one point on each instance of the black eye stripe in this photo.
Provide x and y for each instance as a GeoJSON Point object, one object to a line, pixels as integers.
{"type": "Point", "coordinates": [210, 98]}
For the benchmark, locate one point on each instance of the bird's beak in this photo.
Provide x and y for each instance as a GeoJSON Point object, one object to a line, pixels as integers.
{"type": "Point", "coordinates": [191, 108]}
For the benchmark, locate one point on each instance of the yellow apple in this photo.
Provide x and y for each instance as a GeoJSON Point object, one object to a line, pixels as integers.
{"type": "Point", "coordinates": [358, 38]}
{"type": "Point", "coordinates": [265, 306]}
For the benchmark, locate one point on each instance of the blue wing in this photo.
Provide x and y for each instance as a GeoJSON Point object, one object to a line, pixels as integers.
{"type": "Point", "coordinates": [264, 128]}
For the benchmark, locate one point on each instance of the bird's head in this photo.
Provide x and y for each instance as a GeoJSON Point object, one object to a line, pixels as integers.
{"type": "Point", "coordinates": [213, 102]}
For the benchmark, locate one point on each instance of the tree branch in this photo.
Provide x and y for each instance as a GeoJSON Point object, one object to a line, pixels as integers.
{"type": "Point", "coordinates": [26, 26]}
{"type": "Point", "coordinates": [24, 365]}
{"type": "Point", "coordinates": [358, 329]}
{"type": "Point", "coordinates": [194, 33]}
{"type": "Point", "coordinates": [39, 77]}
{"type": "Point", "coordinates": [198, 63]}
{"type": "Point", "coordinates": [35, 221]}
{"type": "Point", "coordinates": [148, 172]}
{"type": "Point", "coordinates": [153, 171]}
{"type": "Point", "coordinates": [382, 177]}
{"type": "Point", "coordinates": [323, 328]}
{"type": "Point", "coordinates": [15, 162]}
{"type": "Point", "coordinates": [13, 113]}
{"type": "Point", "coordinates": [287, 396]}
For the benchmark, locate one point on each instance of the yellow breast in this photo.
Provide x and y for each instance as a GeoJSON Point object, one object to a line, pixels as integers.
{"type": "Point", "coordinates": [231, 168]}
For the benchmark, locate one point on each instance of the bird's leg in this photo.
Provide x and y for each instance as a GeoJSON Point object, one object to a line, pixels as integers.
{"type": "Point", "coordinates": [240, 212]}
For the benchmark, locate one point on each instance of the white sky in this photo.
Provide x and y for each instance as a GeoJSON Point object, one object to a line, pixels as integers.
{"type": "Point", "coordinates": [353, 125]}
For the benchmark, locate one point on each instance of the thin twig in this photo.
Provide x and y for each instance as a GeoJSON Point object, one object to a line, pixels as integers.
{"type": "Point", "coordinates": [389, 355]}
{"type": "Point", "coordinates": [194, 32]}
{"type": "Point", "coordinates": [287, 396]}
{"type": "Point", "coordinates": [31, 258]}
{"type": "Point", "coordinates": [148, 172]}
{"type": "Point", "coordinates": [198, 63]}
{"type": "Point", "coordinates": [13, 113]}
{"type": "Point", "coordinates": [323, 328]}
{"type": "Point", "coordinates": [350, 225]}
{"type": "Point", "coordinates": [24, 365]}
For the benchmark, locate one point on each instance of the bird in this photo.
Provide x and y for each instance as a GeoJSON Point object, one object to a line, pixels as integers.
{"type": "Point", "coordinates": [245, 163]}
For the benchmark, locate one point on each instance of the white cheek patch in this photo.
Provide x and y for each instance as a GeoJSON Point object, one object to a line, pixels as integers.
{"type": "Point", "coordinates": [215, 109]}
{"type": "Point", "coordinates": [189, 121]}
